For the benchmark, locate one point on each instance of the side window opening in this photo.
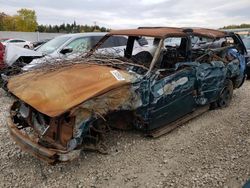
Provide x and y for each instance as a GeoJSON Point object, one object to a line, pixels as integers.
{"type": "Point", "coordinates": [13, 41]}
{"type": "Point", "coordinates": [173, 51]}
{"type": "Point", "coordinates": [215, 50]}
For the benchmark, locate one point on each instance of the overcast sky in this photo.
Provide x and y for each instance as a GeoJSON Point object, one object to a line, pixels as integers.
{"type": "Point", "coordinates": [133, 13]}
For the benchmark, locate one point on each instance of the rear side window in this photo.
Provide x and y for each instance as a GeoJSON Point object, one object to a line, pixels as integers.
{"type": "Point", "coordinates": [109, 43]}
{"type": "Point", "coordinates": [120, 41]}
{"type": "Point", "coordinates": [13, 41]}
{"type": "Point", "coordinates": [94, 40]}
{"type": "Point", "coordinates": [113, 41]}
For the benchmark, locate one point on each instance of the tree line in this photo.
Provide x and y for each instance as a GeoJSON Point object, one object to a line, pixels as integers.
{"type": "Point", "coordinates": [237, 26]}
{"type": "Point", "coordinates": [70, 28]}
{"type": "Point", "coordinates": [26, 20]}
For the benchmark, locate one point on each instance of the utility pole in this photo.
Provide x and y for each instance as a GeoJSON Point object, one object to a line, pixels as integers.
{"type": "Point", "coordinates": [94, 25]}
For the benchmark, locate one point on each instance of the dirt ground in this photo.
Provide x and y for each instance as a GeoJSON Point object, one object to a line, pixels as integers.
{"type": "Point", "coordinates": [212, 150]}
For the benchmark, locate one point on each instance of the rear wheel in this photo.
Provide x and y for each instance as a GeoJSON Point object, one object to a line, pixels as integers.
{"type": "Point", "coordinates": [226, 94]}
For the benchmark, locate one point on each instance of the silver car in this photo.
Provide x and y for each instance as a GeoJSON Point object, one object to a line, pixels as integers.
{"type": "Point", "coordinates": [70, 46]}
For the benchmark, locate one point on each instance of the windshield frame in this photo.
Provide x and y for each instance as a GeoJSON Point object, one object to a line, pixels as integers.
{"type": "Point", "coordinates": [105, 37]}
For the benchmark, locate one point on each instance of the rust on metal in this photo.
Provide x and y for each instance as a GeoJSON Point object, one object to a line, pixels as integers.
{"type": "Point", "coordinates": [30, 145]}
{"type": "Point", "coordinates": [155, 32]}
{"type": "Point", "coordinates": [162, 32]}
{"type": "Point", "coordinates": [53, 93]}
{"type": "Point", "coordinates": [171, 126]}
{"type": "Point", "coordinates": [122, 98]}
{"type": "Point", "coordinates": [211, 33]}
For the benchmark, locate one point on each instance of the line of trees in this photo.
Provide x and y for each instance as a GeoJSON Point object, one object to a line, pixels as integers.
{"type": "Point", "coordinates": [70, 28]}
{"type": "Point", "coordinates": [26, 20]}
{"type": "Point", "coordinates": [237, 26]}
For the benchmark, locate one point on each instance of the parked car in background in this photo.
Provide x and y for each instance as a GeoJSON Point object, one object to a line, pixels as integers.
{"type": "Point", "coordinates": [18, 42]}
{"type": "Point", "coordinates": [62, 110]}
{"type": "Point", "coordinates": [64, 47]}
{"type": "Point", "coordinates": [246, 41]}
{"type": "Point", "coordinates": [18, 57]}
{"type": "Point", "coordinates": [73, 43]}
{"type": "Point", "coordinates": [40, 42]}
{"type": "Point", "coordinates": [70, 46]}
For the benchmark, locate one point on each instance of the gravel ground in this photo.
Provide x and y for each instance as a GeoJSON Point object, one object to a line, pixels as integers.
{"type": "Point", "coordinates": [212, 150]}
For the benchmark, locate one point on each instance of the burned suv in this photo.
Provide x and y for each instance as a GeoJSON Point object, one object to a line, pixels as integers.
{"type": "Point", "coordinates": [65, 108]}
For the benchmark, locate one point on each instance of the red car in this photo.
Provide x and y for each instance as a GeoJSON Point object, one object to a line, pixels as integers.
{"type": "Point", "coordinates": [1, 55]}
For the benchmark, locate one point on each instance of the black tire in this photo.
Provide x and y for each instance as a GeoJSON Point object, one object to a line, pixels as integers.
{"type": "Point", "coordinates": [226, 95]}
{"type": "Point", "coordinates": [27, 47]}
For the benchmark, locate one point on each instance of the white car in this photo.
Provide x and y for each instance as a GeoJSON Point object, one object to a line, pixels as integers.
{"type": "Point", "coordinates": [70, 46]}
{"type": "Point", "coordinates": [18, 42]}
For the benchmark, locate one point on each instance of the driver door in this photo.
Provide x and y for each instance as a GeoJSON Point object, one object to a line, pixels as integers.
{"type": "Point", "coordinates": [172, 97]}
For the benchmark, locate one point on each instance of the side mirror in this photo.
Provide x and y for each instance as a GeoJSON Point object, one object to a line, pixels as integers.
{"type": "Point", "coordinates": [66, 50]}
{"type": "Point", "coordinates": [142, 41]}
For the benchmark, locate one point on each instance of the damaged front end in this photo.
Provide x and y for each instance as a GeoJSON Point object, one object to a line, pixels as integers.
{"type": "Point", "coordinates": [83, 128]}
{"type": "Point", "coordinates": [44, 137]}
{"type": "Point", "coordinates": [58, 135]}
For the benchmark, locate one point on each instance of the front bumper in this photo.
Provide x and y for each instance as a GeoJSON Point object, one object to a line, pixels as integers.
{"type": "Point", "coordinates": [45, 154]}
{"type": "Point", "coordinates": [31, 146]}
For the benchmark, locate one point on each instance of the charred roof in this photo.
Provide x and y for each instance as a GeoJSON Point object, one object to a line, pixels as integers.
{"type": "Point", "coordinates": [163, 32]}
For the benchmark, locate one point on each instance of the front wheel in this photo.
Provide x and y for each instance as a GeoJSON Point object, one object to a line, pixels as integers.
{"type": "Point", "coordinates": [226, 94]}
{"type": "Point", "coordinates": [26, 46]}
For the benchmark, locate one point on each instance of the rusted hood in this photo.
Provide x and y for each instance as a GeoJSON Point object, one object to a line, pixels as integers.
{"type": "Point", "coordinates": [55, 92]}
